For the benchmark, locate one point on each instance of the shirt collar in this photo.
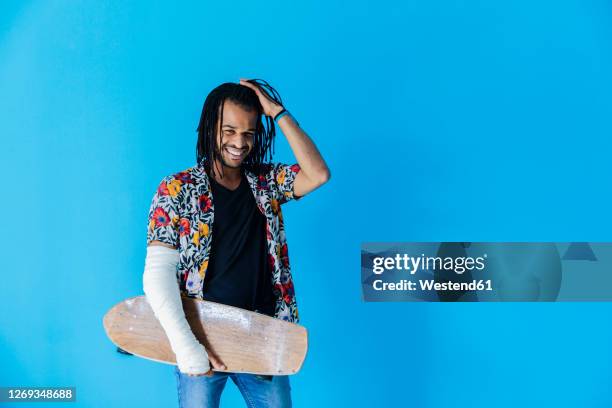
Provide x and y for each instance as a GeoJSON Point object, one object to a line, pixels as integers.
{"type": "Point", "coordinates": [204, 164]}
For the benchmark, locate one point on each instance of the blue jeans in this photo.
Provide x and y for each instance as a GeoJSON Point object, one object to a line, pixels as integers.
{"type": "Point", "coordinates": [258, 391]}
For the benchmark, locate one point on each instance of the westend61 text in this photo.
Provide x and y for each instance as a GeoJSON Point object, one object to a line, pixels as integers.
{"type": "Point", "coordinates": [430, 284]}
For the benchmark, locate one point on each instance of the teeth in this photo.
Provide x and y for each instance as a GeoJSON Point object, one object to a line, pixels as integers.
{"type": "Point", "coordinates": [235, 152]}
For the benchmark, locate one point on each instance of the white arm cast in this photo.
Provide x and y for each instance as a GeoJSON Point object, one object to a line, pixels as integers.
{"type": "Point", "coordinates": [162, 292]}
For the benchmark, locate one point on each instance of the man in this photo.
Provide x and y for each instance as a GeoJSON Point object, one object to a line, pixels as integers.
{"type": "Point", "coordinates": [216, 233]}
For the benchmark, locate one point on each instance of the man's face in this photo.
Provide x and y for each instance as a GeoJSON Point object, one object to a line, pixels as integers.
{"type": "Point", "coordinates": [235, 138]}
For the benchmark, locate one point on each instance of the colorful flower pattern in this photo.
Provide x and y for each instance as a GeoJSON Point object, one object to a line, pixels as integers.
{"type": "Point", "coordinates": [182, 214]}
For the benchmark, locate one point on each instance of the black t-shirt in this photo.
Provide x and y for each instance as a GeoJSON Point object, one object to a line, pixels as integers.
{"type": "Point", "coordinates": [238, 272]}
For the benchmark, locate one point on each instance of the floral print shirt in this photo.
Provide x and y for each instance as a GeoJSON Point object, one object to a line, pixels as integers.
{"type": "Point", "coordinates": [182, 214]}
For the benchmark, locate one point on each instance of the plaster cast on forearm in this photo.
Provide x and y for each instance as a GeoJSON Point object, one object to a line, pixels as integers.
{"type": "Point", "coordinates": [162, 292]}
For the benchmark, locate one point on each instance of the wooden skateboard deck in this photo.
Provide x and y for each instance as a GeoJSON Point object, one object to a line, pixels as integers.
{"type": "Point", "coordinates": [245, 341]}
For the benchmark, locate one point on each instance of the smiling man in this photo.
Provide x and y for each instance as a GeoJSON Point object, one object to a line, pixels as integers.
{"type": "Point", "coordinates": [216, 233]}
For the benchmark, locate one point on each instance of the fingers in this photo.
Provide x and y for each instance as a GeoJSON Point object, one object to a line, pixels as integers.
{"type": "Point", "coordinates": [209, 373]}
{"type": "Point", "coordinates": [247, 83]}
{"type": "Point", "coordinates": [216, 362]}
{"type": "Point", "coordinates": [266, 101]}
{"type": "Point", "coordinates": [253, 87]}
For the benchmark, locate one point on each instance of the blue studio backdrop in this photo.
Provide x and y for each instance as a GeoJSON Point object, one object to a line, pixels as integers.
{"type": "Point", "coordinates": [441, 120]}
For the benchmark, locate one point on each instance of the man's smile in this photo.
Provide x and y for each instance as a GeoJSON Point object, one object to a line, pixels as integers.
{"type": "Point", "coordinates": [236, 154]}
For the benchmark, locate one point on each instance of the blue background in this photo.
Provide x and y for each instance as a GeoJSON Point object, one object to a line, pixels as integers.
{"type": "Point", "coordinates": [440, 120]}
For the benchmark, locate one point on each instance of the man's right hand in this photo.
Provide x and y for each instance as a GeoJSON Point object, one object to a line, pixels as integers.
{"type": "Point", "coordinates": [198, 363]}
{"type": "Point", "coordinates": [216, 364]}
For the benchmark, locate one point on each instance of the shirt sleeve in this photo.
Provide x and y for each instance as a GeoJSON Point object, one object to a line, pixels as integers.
{"type": "Point", "coordinates": [284, 179]}
{"type": "Point", "coordinates": [163, 213]}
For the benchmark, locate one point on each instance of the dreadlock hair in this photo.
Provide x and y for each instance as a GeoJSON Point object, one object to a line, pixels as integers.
{"type": "Point", "coordinates": [212, 112]}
